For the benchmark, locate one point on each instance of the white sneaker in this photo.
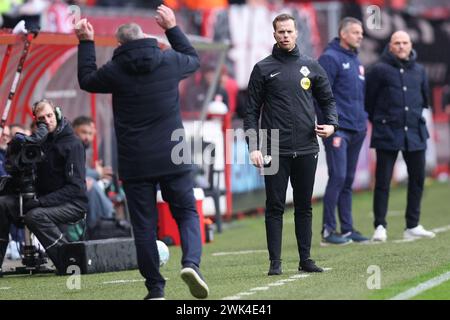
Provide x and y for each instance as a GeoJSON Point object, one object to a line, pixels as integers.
{"type": "Point", "coordinates": [380, 234]}
{"type": "Point", "coordinates": [15, 254]}
{"type": "Point", "coordinates": [418, 232]}
{"type": "Point", "coordinates": [8, 251]}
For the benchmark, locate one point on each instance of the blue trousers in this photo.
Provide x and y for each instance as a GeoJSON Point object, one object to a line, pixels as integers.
{"type": "Point", "coordinates": [99, 206]}
{"type": "Point", "coordinates": [177, 190]}
{"type": "Point", "coordinates": [342, 151]}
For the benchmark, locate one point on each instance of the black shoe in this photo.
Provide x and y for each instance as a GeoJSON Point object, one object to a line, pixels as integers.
{"type": "Point", "coordinates": [193, 278]}
{"type": "Point", "coordinates": [309, 266]}
{"type": "Point", "coordinates": [1, 273]}
{"type": "Point", "coordinates": [275, 268]}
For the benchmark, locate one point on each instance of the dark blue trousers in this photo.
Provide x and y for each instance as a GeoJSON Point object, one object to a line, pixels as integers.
{"type": "Point", "coordinates": [342, 151]}
{"type": "Point", "coordinates": [415, 164]}
{"type": "Point", "coordinates": [177, 190]}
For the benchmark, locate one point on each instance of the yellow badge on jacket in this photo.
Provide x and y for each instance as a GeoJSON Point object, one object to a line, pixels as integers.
{"type": "Point", "coordinates": [305, 83]}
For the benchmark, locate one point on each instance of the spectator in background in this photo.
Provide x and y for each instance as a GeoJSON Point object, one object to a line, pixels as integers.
{"type": "Point", "coordinates": [17, 234]}
{"type": "Point", "coordinates": [446, 100]}
{"type": "Point", "coordinates": [346, 76]}
{"type": "Point", "coordinates": [446, 109]}
{"type": "Point", "coordinates": [28, 10]}
{"type": "Point", "coordinates": [4, 139]}
{"type": "Point", "coordinates": [196, 93]}
{"type": "Point", "coordinates": [99, 205]}
{"type": "Point", "coordinates": [396, 94]}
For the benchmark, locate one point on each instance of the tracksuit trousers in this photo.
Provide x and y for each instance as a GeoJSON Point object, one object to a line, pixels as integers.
{"type": "Point", "coordinates": [301, 171]}
{"type": "Point", "coordinates": [342, 152]}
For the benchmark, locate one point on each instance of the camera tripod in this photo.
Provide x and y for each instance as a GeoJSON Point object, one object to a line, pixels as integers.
{"type": "Point", "coordinates": [33, 260]}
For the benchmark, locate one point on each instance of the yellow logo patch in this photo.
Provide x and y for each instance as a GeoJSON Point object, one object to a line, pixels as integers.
{"type": "Point", "coordinates": [305, 83]}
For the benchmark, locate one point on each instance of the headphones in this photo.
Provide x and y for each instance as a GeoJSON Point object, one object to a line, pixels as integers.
{"type": "Point", "coordinates": [56, 109]}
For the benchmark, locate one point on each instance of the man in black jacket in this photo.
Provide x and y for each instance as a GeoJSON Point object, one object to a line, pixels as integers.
{"type": "Point", "coordinates": [284, 86]}
{"type": "Point", "coordinates": [396, 94]}
{"type": "Point", "coordinates": [60, 186]}
{"type": "Point", "coordinates": [144, 83]}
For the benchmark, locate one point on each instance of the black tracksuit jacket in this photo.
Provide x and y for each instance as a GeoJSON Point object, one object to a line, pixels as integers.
{"type": "Point", "coordinates": [278, 87]}
{"type": "Point", "coordinates": [61, 176]}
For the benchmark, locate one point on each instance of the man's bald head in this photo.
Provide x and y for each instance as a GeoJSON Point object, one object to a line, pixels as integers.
{"type": "Point", "coordinates": [400, 45]}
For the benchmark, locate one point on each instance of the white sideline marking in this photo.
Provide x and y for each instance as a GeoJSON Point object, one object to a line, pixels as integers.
{"type": "Point", "coordinates": [298, 276]}
{"type": "Point", "coordinates": [232, 298]}
{"type": "Point", "coordinates": [441, 229]}
{"type": "Point", "coordinates": [410, 293]}
{"type": "Point", "coordinates": [289, 280]}
{"type": "Point", "coordinates": [5, 288]}
{"type": "Point", "coordinates": [237, 252]}
{"type": "Point", "coordinates": [123, 281]}
{"type": "Point", "coordinates": [435, 230]}
{"type": "Point", "coordinates": [277, 283]}
{"type": "Point", "coordinates": [260, 289]}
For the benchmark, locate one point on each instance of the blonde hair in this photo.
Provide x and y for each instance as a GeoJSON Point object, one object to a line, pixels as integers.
{"type": "Point", "coordinates": [39, 105]}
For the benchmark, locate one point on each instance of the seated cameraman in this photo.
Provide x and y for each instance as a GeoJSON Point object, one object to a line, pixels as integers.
{"type": "Point", "coordinates": [60, 185]}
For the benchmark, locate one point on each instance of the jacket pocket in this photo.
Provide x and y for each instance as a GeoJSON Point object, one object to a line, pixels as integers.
{"type": "Point", "coordinates": [383, 129]}
{"type": "Point", "coordinates": [423, 131]}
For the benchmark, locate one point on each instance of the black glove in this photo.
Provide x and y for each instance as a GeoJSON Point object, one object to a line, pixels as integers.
{"type": "Point", "coordinates": [31, 204]}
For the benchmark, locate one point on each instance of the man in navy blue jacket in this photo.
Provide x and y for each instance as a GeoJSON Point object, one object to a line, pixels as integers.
{"type": "Point", "coordinates": [144, 80]}
{"type": "Point", "coordinates": [346, 76]}
{"type": "Point", "coordinates": [397, 93]}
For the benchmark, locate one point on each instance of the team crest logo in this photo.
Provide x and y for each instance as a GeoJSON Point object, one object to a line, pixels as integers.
{"type": "Point", "coordinates": [305, 83]}
{"type": "Point", "coordinates": [361, 73]}
{"type": "Point", "coordinates": [304, 71]}
{"type": "Point", "coordinates": [337, 142]}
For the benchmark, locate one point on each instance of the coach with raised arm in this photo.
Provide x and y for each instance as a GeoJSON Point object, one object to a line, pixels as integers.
{"type": "Point", "coordinates": [144, 81]}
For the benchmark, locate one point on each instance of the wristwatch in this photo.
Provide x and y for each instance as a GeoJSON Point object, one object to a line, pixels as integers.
{"type": "Point", "coordinates": [336, 127]}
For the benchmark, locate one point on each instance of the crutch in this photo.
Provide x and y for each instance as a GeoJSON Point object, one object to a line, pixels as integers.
{"type": "Point", "coordinates": [29, 36]}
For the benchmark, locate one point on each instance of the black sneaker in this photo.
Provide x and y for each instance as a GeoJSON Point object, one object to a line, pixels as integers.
{"type": "Point", "coordinates": [275, 268]}
{"type": "Point", "coordinates": [194, 279]}
{"type": "Point", "coordinates": [309, 266]}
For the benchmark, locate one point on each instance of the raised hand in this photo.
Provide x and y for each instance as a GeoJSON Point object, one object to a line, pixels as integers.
{"type": "Point", "coordinates": [166, 17]}
{"type": "Point", "coordinates": [84, 30]}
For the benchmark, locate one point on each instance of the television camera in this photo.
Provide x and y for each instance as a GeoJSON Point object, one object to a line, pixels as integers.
{"type": "Point", "coordinates": [22, 156]}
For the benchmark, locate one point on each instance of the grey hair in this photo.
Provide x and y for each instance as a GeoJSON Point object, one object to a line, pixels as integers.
{"type": "Point", "coordinates": [128, 32]}
{"type": "Point", "coordinates": [346, 22]}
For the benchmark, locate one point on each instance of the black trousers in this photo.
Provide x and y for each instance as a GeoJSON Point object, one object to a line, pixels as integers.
{"type": "Point", "coordinates": [415, 163]}
{"type": "Point", "coordinates": [43, 222]}
{"type": "Point", "coordinates": [177, 190]}
{"type": "Point", "coordinates": [301, 170]}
